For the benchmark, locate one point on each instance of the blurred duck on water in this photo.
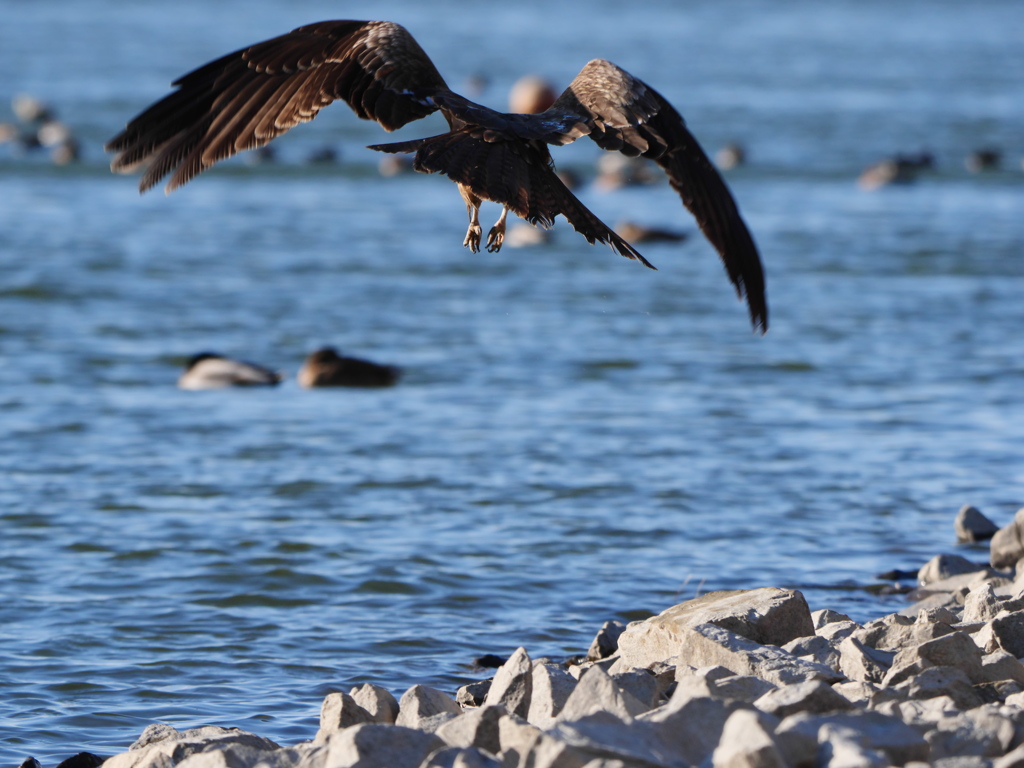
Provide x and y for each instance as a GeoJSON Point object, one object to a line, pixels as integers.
{"type": "Point", "coordinates": [208, 370]}
{"type": "Point", "coordinates": [326, 368]}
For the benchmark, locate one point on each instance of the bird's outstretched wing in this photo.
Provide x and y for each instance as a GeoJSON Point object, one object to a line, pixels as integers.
{"type": "Point", "coordinates": [622, 113]}
{"type": "Point", "coordinates": [246, 98]}
{"type": "Point", "coordinates": [502, 168]}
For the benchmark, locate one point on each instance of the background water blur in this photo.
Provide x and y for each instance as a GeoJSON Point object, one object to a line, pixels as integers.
{"type": "Point", "coordinates": [576, 438]}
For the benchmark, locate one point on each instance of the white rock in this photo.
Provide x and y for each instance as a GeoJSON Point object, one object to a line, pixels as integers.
{"type": "Point", "coordinates": [480, 728]}
{"type": "Point", "coordinates": [377, 701]}
{"type": "Point", "coordinates": [425, 708]}
{"type": "Point", "coordinates": [597, 692]}
{"type": "Point", "coordinates": [512, 685]}
{"type": "Point", "coordinates": [552, 687]}
{"type": "Point", "coordinates": [747, 742]}
{"type": "Point", "coordinates": [862, 662]}
{"type": "Point", "coordinates": [942, 567]}
{"type": "Point", "coordinates": [1007, 545]}
{"type": "Point", "coordinates": [813, 696]}
{"type": "Point", "coordinates": [373, 744]}
{"type": "Point", "coordinates": [338, 711]}
{"type": "Point", "coordinates": [971, 525]}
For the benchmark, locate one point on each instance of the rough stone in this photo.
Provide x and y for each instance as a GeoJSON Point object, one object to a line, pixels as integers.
{"type": "Point", "coordinates": [1014, 759]}
{"type": "Point", "coordinates": [953, 650]}
{"type": "Point", "coordinates": [708, 645]}
{"type": "Point", "coordinates": [843, 746]}
{"type": "Point", "coordinates": [745, 688]}
{"type": "Point", "coordinates": [425, 708]}
{"type": "Point", "coordinates": [765, 616]}
{"type": "Point", "coordinates": [370, 745]}
{"type": "Point", "coordinates": [641, 685]}
{"type": "Point", "coordinates": [379, 702]}
{"type": "Point", "coordinates": [971, 525]}
{"type": "Point", "coordinates": [1000, 665]}
{"type": "Point", "coordinates": [517, 739]}
{"type": "Point", "coordinates": [1008, 629]}
{"type": "Point", "coordinates": [480, 728]}
{"type": "Point", "coordinates": [512, 685]}
{"type": "Point", "coordinates": [747, 742]}
{"type": "Point", "coordinates": [606, 642]}
{"type": "Point", "coordinates": [942, 681]}
{"type": "Point", "coordinates": [876, 731]}
{"type": "Point", "coordinates": [866, 694]}
{"type": "Point", "coordinates": [552, 687]}
{"type": "Point", "coordinates": [836, 631]}
{"type": "Point", "coordinates": [816, 649]}
{"type": "Point", "coordinates": [604, 736]}
{"type": "Point", "coordinates": [162, 744]}
{"type": "Point", "coordinates": [460, 757]}
{"type": "Point", "coordinates": [942, 567]}
{"type": "Point", "coordinates": [813, 696]}
{"type": "Point", "coordinates": [981, 732]}
{"type": "Point", "coordinates": [473, 694]}
{"type": "Point", "coordinates": [826, 616]}
{"type": "Point", "coordinates": [338, 711]}
{"type": "Point", "coordinates": [690, 727]}
{"type": "Point", "coordinates": [859, 661]}
{"type": "Point", "coordinates": [1007, 545]}
{"type": "Point", "coordinates": [597, 692]}
{"type": "Point", "coordinates": [897, 630]}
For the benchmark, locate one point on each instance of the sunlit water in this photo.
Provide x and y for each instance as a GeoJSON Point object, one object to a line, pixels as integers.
{"type": "Point", "coordinates": [576, 438]}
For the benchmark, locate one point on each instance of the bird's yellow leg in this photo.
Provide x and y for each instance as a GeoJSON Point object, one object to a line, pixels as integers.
{"type": "Point", "coordinates": [472, 240]}
{"type": "Point", "coordinates": [497, 234]}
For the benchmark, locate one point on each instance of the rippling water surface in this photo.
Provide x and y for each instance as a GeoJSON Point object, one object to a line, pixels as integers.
{"type": "Point", "coordinates": [576, 438]}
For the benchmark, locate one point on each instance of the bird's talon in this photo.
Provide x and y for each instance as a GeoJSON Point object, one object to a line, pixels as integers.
{"type": "Point", "coordinates": [472, 240]}
{"type": "Point", "coordinates": [495, 239]}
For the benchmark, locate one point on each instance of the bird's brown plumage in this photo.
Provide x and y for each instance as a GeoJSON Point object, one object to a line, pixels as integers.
{"type": "Point", "coordinates": [249, 97]}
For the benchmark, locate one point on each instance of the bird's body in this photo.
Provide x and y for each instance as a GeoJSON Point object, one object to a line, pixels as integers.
{"type": "Point", "coordinates": [247, 98]}
{"type": "Point", "coordinates": [326, 368]}
{"type": "Point", "coordinates": [208, 370]}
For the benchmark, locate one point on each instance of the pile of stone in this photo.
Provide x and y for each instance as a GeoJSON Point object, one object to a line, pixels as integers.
{"type": "Point", "coordinates": [747, 678]}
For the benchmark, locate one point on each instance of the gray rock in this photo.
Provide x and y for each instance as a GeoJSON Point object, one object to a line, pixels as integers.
{"type": "Point", "coordinates": [817, 649]}
{"type": "Point", "coordinates": [765, 616]}
{"type": "Point", "coordinates": [864, 694]}
{"type": "Point", "coordinates": [372, 745]}
{"type": "Point", "coordinates": [1014, 759]}
{"type": "Point", "coordinates": [938, 615]}
{"type": "Point", "coordinates": [606, 642]}
{"type": "Point", "coordinates": [552, 687]}
{"type": "Point", "coordinates": [843, 746]}
{"type": "Point", "coordinates": [981, 733]}
{"type": "Point", "coordinates": [813, 696]}
{"type": "Point", "coordinates": [546, 751]}
{"type": "Point", "coordinates": [162, 745]}
{"type": "Point", "coordinates": [942, 681]}
{"type": "Point", "coordinates": [826, 616]}
{"type": "Point", "coordinates": [517, 740]}
{"type": "Point", "coordinates": [747, 742]}
{"type": "Point", "coordinates": [745, 688]}
{"type": "Point", "coordinates": [861, 662]}
{"type": "Point", "coordinates": [709, 645]}
{"type": "Point", "coordinates": [953, 650]}
{"type": "Point", "coordinates": [1008, 629]}
{"type": "Point", "coordinates": [379, 702]}
{"type": "Point", "coordinates": [897, 631]}
{"type": "Point", "coordinates": [1000, 665]}
{"type": "Point", "coordinates": [473, 694]}
{"type": "Point", "coordinates": [460, 757]}
{"type": "Point", "coordinates": [513, 684]}
{"type": "Point", "coordinates": [689, 727]}
{"type": "Point", "coordinates": [597, 692]}
{"type": "Point", "coordinates": [1007, 545]}
{"type": "Point", "coordinates": [943, 567]}
{"type": "Point", "coordinates": [602, 735]}
{"type": "Point", "coordinates": [641, 685]}
{"type": "Point", "coordinates": [338, 711]}
{"type": "Point", "coordinates": [836, 631]}
{"type": "Point", "coordinates": [970, 525]}
{"type": "Point", "coordinates": [480, 728]}
{"type": "Point", "coordinates": [900, 742]}
{"type": "Point", "coordinates": [425, 708]}
{"type": "Point", "coordinates": [981, 604]}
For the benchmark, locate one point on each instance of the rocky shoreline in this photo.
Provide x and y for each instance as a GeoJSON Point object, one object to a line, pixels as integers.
{"type": "Point", "coordinates": [749, 678]}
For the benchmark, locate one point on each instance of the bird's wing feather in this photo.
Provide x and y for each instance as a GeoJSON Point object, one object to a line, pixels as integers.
{"type": "Point", "coordinates": [622, 113]}
{"type": "Point", "coordinates": [507, 170]}
{"type": "Point", "coordinates": [246, 98]}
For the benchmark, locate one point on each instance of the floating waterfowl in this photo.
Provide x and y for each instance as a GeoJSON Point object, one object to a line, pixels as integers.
{"type": "Point", "coordinates": [326, 368]}
{"type": "Point", "coordinates": [901, 169]}
{"type": "Point", "coordinates": [247, 98]}
{"type": "Point", "coordinates": [208, 370]}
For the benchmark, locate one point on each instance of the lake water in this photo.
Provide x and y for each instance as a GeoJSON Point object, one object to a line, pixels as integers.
{"type": "Point", "coordinates": [576, 438]}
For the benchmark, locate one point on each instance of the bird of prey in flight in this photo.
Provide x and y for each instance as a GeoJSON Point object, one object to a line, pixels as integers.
{"type": "Point", "coordinates": [249, 97]}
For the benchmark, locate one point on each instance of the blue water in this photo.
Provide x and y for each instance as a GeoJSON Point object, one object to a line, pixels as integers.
{"type": "Point", "coordinates": [576, 438]}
